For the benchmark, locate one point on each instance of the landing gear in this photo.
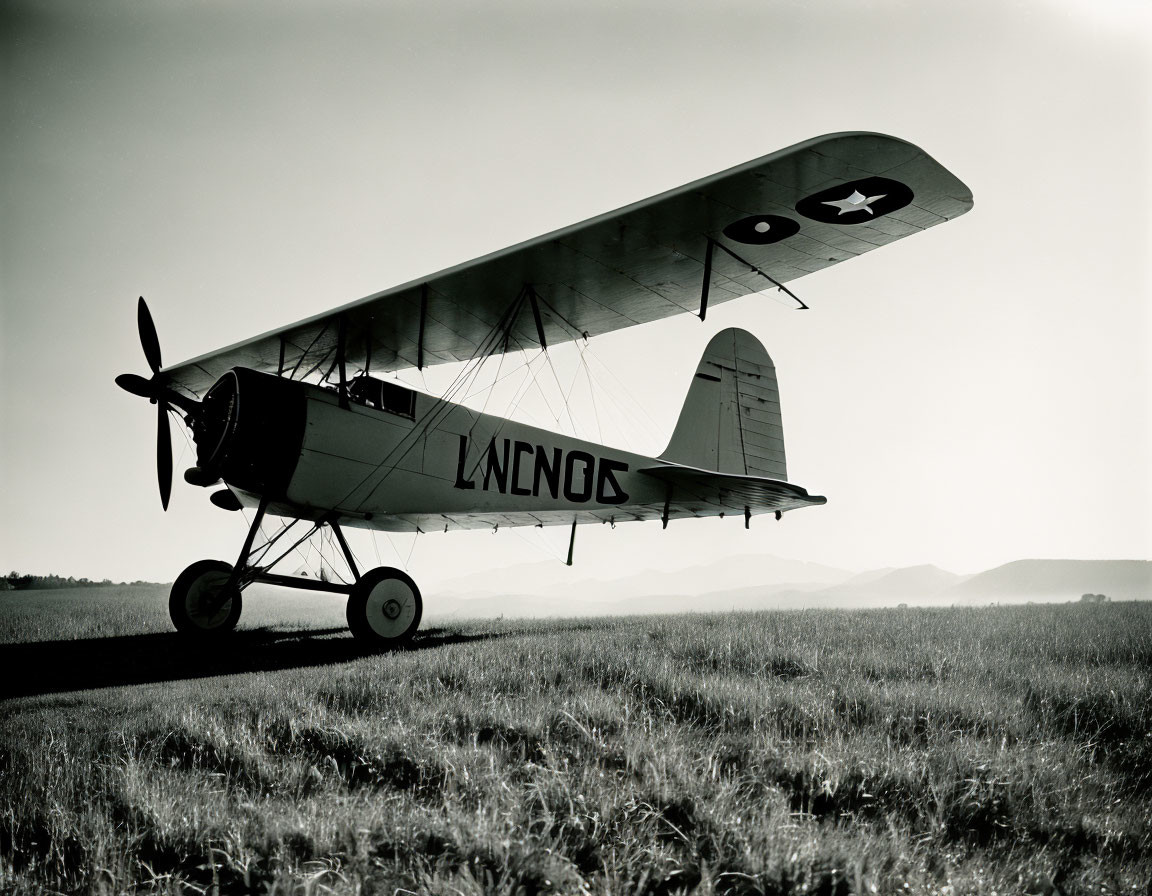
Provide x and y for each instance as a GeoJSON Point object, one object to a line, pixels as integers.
{"type": "Point", "coordinates": [202, 602]}
{"type": "Point", "coordinates": [384, 607]}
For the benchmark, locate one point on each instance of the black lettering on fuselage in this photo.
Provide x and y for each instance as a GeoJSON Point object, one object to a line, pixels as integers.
{"type": "Point", "coordinates": [550, 471]}
{"type": "Point", "coordinates": [461, 482]}
{"type": "Point", "coordinates": [577, 475]}
{"type": "Point", "coordinates": [604, 478]}
{"type": "Point", "coordinates": [519, 448]}
{"type": "Point", "coordinates": [587, 480]}
{"type": "Point", "coordinates": [496, 468]}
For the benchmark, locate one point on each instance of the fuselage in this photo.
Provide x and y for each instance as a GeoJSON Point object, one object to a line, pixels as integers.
{"type": "Point", "coordinates": [399, 460]}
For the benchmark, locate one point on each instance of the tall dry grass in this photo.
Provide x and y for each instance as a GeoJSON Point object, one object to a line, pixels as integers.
{"type": "Point", "coordinates": [994, 750]}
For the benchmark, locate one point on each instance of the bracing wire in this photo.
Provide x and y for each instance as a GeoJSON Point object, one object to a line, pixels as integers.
{"type": "Point", "coordinates": [526, 382]}
{"type": "Point", "coordinates": [592, 399]}
{"type": "Point", "coordinates": [653, 430]}
{"type": "Point", "coordinates": [550, 554]}
{"type": "Point", "coordinates": [465, 382]}
{"type": "Point", "coordinates": [618, 410]}
{"type": "Point", "coordinates": [444, 406]}
{"type": "Point", "coordinates": [411, 551]}
{"type": "Point", "coordinates": [557, 418]}
{"type": "Point", "coordinates": [304, 354]}
{"type": "Point", "coordinates": [522, 390]}
{"type": "Point", "coordinates": [501, 379]}
{"type": "Point", "coordinates": [392, 545]}
{"type": "Point", "coordinates": [564, 395]}
{"type": "Point", "coordinates": [187, 446]}
{"type": "Point", "coordinates": [530, 368]}
{"type": "Point", "coordinates": [491, 388]}
{"type": "Point", "coordinates": [531, 379]}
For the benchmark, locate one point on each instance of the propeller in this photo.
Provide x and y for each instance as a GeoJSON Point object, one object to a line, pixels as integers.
{"type": "Point", "coordinates": [158, 393]}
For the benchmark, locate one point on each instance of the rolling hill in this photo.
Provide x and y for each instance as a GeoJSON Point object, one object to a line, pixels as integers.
{"type": "Point", "coordinates": [758, 583]}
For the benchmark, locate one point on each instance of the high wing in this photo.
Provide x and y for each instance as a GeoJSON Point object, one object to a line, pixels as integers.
{"type": "Point", "coordinates": [768, 221]}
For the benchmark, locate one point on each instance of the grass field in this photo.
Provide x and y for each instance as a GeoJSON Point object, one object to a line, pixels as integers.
{"type": "Point", "coordinates": [993, 750]}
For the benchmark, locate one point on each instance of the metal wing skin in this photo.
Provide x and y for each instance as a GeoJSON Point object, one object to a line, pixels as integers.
{"type": "Point", "coordinates": [782, 216]}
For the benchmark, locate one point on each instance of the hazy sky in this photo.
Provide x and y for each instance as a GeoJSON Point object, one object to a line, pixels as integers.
{"type": "Point", "coordinates": [971, 395]}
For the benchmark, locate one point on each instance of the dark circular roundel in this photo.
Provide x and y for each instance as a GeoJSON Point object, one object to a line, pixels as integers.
{"type": "Point", "coordinates": [856, 201]}
{"type": "Point", "coordinates": [759, 230]}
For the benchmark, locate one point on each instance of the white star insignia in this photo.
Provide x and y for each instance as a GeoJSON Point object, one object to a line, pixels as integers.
{"type": "Point", "coordinates": [854, 203]}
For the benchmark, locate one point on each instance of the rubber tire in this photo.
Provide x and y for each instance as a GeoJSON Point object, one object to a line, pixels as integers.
{"type": "Point", "coordinates": [189, 589]}
{"type": "Point", "coordinates": [366, 607]}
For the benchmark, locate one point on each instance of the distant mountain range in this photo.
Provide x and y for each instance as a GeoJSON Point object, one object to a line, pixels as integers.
{"type": "Point", "coordinates": [763, 582]}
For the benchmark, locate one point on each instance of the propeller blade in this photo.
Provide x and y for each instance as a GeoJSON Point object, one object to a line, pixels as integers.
{"type": "Point", "coordinates": [137, 385]}
{"type": "Point", "coordinates": [163, 453]}
{"type": "Point", "coordinates": [148, 339]}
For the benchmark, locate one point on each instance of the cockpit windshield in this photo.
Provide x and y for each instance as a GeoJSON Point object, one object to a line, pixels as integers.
{"type": "Point", "coordinates": [383, 395]}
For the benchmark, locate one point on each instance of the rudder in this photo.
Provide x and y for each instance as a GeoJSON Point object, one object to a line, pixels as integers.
{"type": "Point", "coordinates": [730, 422]}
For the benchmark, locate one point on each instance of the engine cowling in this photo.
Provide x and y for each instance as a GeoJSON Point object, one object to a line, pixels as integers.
{"type": "Point", "coordinates": [249, 431]}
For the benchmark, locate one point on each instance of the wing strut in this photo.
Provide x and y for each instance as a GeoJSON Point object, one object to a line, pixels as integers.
{"type": "Point", "coordinates": [571, 543]}
{"type": "Point", "coordinates": [423, 316]}
{"type": "Point", "coordinates": [532, 295]}
{"type": "Point", "coordinates": [707, 278]}
{"type": "Point", "coordinates": [341, 353]}
{"type": "Point", "coordinates": [335, 527]}
{"type": "Point", "coordinates": [767, 277]}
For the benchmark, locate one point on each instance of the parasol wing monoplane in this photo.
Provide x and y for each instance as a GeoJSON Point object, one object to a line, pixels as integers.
{"type": "Point", "coordinates": [294, 423]}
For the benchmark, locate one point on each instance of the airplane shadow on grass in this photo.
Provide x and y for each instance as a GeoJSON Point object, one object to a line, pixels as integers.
{"type": "Point", "coordinates": [53, 667]}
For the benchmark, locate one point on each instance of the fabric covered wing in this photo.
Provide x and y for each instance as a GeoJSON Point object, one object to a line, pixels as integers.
{"type": "Point", "coordinates": [787, 214]}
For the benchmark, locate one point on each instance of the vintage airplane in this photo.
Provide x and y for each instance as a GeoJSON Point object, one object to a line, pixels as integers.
{"type": "Point", "coordinates": [352, 449]}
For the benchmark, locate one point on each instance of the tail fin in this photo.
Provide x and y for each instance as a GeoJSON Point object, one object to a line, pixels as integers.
{"type": "Point", "coordinates": [730, 422]}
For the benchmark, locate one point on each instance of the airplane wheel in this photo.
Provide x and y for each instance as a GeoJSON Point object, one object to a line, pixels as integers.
{"type": "Point", "coordinates": [193, 603]}
{"type": "Point", "coordinates": [384, 607]}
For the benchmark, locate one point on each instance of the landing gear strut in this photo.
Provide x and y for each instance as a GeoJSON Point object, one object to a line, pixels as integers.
{"type": "Point", "coordinates": [384, 604]}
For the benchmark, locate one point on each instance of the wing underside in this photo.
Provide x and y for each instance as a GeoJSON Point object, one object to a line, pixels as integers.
{"type": "Point", "coordinates": [767, 222]}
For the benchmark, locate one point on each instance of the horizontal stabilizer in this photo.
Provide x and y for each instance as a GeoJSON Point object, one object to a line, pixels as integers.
{"type": "Point", "coordinates": [729, 492]}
